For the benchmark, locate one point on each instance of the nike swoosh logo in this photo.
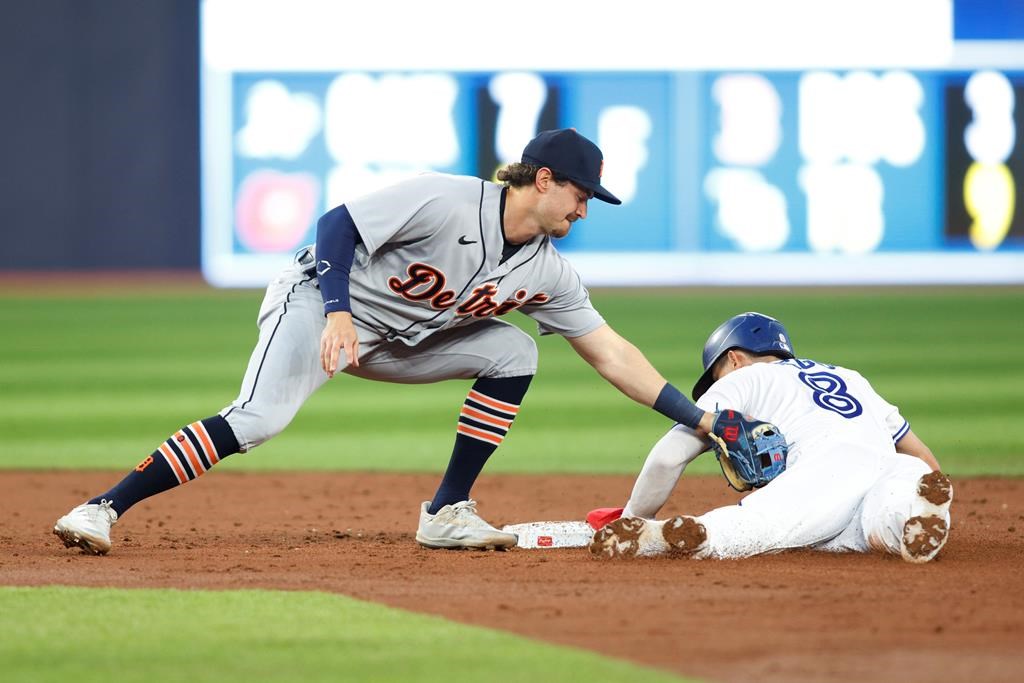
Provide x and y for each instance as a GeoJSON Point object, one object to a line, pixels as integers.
{"type": "Point", "coordinates": [463, 240]}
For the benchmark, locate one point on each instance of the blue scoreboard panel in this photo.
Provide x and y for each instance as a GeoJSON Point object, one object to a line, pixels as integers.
{"type": "Point", "coordinates": [857, 176]}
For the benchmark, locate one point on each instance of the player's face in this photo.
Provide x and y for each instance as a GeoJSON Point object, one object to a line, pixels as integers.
{"type": "Point", "coordinates": [561, 206]}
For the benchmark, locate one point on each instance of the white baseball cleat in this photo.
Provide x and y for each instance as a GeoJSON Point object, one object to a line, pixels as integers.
{"type": "Point", "coordinates": [633, 536]}
{"type": "Point", "coordinates": [458, 526]}
{"type": "Point", "coordinates": [88, 527]}
{"type": "Point", "coordinates": [926, 532]}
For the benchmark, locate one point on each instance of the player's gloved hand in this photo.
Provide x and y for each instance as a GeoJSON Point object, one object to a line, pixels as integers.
{"type": "Point", "coordinates": [751, 452]}
{"type": "Point", "coordinates": [339, 334]}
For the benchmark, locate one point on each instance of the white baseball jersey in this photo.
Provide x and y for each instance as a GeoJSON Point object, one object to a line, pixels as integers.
{"type": "Point", "coordinates": [817, 407]}
{"type": "Point", "coordinates": [845, 487]}
{"type": "Point", "coordinates": [429, 259]}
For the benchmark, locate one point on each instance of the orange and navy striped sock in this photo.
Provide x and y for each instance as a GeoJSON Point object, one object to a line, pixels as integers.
{"type": "Point", "coordinates": [188, 454]}
{"type": "Point", "coordinates": [487, 414]}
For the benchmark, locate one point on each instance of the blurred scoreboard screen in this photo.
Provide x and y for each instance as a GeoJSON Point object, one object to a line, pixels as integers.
{"type": "Point", "coordinates": [814, 176]}
{"type": "Point", "coordinates": [984, 161]}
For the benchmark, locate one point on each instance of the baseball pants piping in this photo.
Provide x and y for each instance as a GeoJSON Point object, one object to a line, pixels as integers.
{"type": "Point", "coordinates": [284, 369]}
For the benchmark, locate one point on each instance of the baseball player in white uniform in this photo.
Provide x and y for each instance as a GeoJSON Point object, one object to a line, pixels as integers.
{"type": "Point", "coordinates": [408, 284]}
{"type": "Point", "coordinates": [856, 477]}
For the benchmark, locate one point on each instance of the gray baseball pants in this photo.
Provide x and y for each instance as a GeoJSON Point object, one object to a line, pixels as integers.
{"type": "Point", "coordinates": [284, 369]}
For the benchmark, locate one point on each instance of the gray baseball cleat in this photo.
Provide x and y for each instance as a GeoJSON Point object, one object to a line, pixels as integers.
{"type": "Point", "coordinates": [633, 536]}
{"type": "Point", "coordinates": [458, 526]}
{"type": "Point", "coordinates": [88, 527]}
{"type": "Point", "coordinates": [925, 533]}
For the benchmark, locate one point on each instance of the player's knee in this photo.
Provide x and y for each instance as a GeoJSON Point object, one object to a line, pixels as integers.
{"type": "Point", "coordinates": [517, 355]}
{"type": "Point", "coordinates": [893, 492]}
{"type": "Point", "coordinates": [253, 428]}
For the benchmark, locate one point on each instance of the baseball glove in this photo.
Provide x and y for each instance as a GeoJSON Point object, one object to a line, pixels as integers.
{"type": "Point", "coordinates": [751, 452]}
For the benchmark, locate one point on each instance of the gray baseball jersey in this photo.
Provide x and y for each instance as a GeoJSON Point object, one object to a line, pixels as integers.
{"type": "Point", "coordinates": [427, 268]}
{"type": "Point", "coordinates": [430, 257]}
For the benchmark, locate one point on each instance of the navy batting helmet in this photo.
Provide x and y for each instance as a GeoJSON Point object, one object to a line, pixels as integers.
{"type": "Point", "coordinates": [751, 332]}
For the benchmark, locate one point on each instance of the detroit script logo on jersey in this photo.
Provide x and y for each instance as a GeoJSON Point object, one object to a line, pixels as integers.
{"type": "Point", "coordinates": [426, 283]}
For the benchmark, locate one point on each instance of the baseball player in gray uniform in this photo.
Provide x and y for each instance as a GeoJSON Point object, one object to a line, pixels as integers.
{"type": "Point", "coordinates": [408, 284]}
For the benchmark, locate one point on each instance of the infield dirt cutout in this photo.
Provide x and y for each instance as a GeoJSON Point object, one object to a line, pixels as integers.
{"type": "Point", "coordinates": [797, 616]}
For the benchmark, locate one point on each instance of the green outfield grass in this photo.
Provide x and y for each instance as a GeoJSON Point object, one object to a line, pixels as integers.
{"type": "Point", "coordinates": [157, 636]}
{"type": "Point", "coordinates": [98, 382]}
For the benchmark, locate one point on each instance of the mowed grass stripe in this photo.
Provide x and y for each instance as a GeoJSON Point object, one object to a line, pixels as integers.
{"type": "Point", "coordinates": [153, 636]}
{"type": "Point", "coordinates": [99, 382]}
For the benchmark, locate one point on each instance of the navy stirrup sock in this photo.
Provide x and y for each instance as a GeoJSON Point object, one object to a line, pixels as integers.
{"type": "Point", "coordinates": [487, 414]}
{"type": "Point", "coordinates": [188, 454]}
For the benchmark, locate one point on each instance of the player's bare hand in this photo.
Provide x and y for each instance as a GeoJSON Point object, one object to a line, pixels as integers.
{"type": "Point", "coordinates": [339, 335]}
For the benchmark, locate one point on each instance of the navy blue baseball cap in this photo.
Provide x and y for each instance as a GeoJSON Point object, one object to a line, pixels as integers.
{"type": "Point", "coordinates": [572, 156]}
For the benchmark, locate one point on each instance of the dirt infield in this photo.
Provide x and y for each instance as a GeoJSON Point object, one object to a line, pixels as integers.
{"type": "Point", "coordinates": [798, 616]}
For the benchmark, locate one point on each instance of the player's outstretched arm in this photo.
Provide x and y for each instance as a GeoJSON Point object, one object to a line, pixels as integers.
{"type": "Point", "coordinates": [910, 444]}
{"type": "Point", "coordinates": [629, 371]}
{"type": "Point", "coordinates": [621, 363]}
{"type": "Point", "coordinates": [661, 471]}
